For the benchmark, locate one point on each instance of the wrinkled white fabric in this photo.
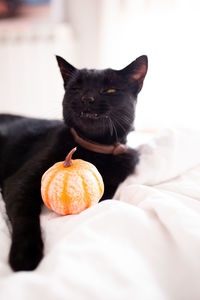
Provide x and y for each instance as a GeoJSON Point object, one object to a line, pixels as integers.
{"type": "Point", "coordinates": [145, 246]}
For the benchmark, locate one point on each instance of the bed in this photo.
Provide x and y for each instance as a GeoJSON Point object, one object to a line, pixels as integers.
{"type": "Point", "coordinates": [143, 244]}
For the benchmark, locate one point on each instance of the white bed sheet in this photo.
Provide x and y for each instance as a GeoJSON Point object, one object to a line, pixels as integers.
{"type": "Point", "coordinates": [145, 246]}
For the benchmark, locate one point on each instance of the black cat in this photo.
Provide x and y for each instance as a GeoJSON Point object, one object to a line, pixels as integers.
{"type": "Point", "coordinates": [98, 110]}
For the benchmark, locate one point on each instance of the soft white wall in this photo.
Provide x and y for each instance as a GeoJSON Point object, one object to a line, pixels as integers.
{"type": "Point", "coordinates": [168, 32]}
{"type": "Point", "coordinates": [86, 18]}
{"type": "Point", "coordinates": [30, 80]}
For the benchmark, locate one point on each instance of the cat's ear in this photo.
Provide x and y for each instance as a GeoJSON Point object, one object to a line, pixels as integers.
{"type": "Point", "coordinates": [65, 68]}
{"type": "Point", "coordinates": [136, 71]}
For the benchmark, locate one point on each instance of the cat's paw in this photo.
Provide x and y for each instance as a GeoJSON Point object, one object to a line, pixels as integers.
{"type": "Point", "coordinates": [25, 255]}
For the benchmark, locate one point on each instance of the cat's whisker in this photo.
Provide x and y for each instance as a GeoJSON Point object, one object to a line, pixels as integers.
{"type": "Point", "coordinates": [110, 126]}
{"type": "Point", "coordinates": [119, 123]}
{"type": "Point", "coordinates": [123, 117]}
{"type": "Point", "coordinates": [104, 127]}
{"type": "Point", "coordinates": [117, 120]}
{"type": "Point", "coordinates": [114, 128]}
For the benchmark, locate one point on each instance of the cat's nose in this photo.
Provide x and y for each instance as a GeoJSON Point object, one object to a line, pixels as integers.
{"type": "Point", "coordinates": [87, 99]}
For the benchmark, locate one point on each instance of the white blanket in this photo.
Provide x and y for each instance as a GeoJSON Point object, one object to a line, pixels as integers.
{"type": "Point", "coordinates": [145, 246]}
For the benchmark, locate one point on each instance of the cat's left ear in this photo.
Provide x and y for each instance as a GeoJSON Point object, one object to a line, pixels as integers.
{"type": "Point", "coordinates": [65, 68]}
{"type": "Point", "coordinates": [136, 71]}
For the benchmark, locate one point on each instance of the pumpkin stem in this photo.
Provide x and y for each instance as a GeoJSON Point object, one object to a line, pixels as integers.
{"type": "Point", "coordinates": [68, 159]}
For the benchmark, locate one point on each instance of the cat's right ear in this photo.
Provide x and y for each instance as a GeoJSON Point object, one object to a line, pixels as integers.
{"type": "Point", "coordinates": [65, 68]}
{"type": "Point", "coordinates": [136, 72]}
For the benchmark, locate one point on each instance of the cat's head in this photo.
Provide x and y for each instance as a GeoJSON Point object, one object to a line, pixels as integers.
{"type": "Point", "coordinates": [100, 104]}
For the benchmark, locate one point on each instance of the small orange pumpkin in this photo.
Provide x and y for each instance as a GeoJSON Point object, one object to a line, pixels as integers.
{"type": "Point", "coordinates": [71, 186]}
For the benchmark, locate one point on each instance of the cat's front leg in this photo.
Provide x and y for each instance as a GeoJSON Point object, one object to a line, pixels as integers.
{"type": "Point", "coordinates": [23, 204]}
{"type": "Point", "coordinates": [27, 247]}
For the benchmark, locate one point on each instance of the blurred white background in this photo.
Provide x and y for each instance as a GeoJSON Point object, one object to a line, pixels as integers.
{"type": "Point", "coordinates": [101, 34]}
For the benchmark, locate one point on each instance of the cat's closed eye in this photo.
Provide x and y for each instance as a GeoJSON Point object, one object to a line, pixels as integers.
{"type": "Point", "coordinates": [76, 89]}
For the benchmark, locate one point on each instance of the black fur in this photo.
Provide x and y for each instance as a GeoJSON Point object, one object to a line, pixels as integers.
{"type": "Point", "coordinates": [100, 105]}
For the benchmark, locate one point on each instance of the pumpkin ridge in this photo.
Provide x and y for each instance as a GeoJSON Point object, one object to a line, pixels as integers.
{"type": "Point", "coordinates": [54, 194]}
{"type": "Point", "coordinates": [69, 197]}
{"type": "Point", "coordinates": [65, 191]}
{"type": "Point", "coordinates": [86, 196]}
{"type": "Point", "coordinates": [93, 171]}
{"type": "Point", "coordinates": [98, 181]}
{"type": "Point", "coordinates": [60, 172]}
{"type": "Point", "coordinates": [92, 168]}
{"type": "Point", "coordinates": [52, 176]}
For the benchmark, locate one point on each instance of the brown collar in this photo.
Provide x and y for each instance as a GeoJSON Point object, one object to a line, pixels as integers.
{"type": "Point", "coordinates": [114, 149]}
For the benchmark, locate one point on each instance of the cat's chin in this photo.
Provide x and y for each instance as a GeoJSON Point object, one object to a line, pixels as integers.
{"type": "Point", "coordinates": [91, 126]}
